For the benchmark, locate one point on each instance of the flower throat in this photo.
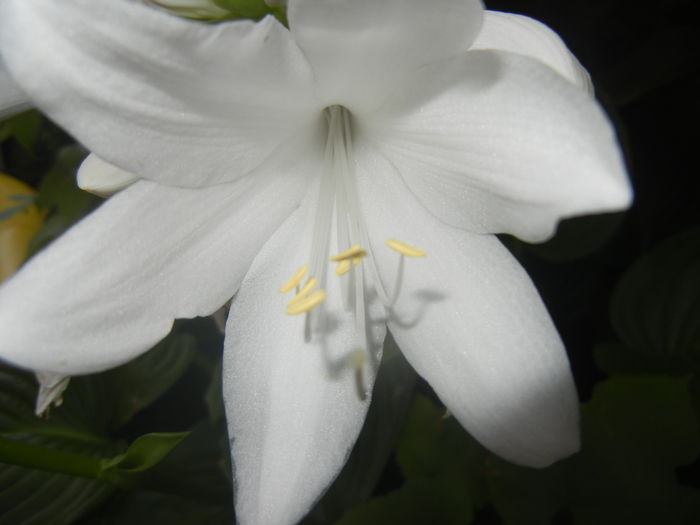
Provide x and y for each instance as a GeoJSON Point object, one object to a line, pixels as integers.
{"type": "Point", "coordinates": [337, 199]}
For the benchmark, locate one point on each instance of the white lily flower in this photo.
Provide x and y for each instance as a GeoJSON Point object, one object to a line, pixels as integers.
{"type": "Point", "coordinates": [262, 152]}
{"type": "Point", "coordinates": [12, 98]}
{"type": "Point", "coordinates": [192, 8]}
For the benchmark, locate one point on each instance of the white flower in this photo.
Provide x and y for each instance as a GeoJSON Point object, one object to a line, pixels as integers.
{"type": "Point", "coordinates": [260, 150]}
{"type": "Point", "coordinates": [12, 98]}
{"type": "Point", "coordinates": [192, 8]}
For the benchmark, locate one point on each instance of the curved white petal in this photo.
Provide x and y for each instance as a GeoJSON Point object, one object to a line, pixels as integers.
{"type": "Point", "coordinates": [102, 178]}
{"type": "Point", "coordinates": [111, 287]}
{"type": "Point", "coordinates": [526, 36]}
{"type": "Point", "coordinates": [508, 146]}
{"type": "Point", "coordinates": [167, 99]}
{"type": "Point", "coordinates": [294, 407]}
{"type": "Point", "coordinates": [472, 324]}
{"type": "Point", "coordinates": [362, 50]}
{"type": "Point", "coordinates": [12, 98]}
{"type": "Point", "coordinates": [192, 8]}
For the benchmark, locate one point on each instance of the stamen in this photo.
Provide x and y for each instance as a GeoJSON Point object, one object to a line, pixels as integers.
{"type": "Point", "coordinates": [404, 249]}
{"type": "Point", "coordinates": [357, 358]}
{"type": "Point", "coordinates": [305, 290]}
{"type": "Point", "coordinates": [343, 267]}
{"type": "Point", "coordinates": [295, 279]}
{"type": "Point", "coordinates": [307, 304]}
{"type": "Point", "coordinates": [356, 261]}
{"type": "Point", "coordinates": [356, 252]}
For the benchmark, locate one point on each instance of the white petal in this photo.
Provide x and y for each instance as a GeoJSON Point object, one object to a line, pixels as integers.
{"type": "Point", "coordinates": [507, 146]}
{"type": "Point", "coordinates": [471, 323]}
{"type": "Point", "coordinates": [362, 50]}
{"type": "Point", "coordinates": [166, 99]}
{"type": "Point", "coordinates": [51, 389]}
{"type": "Point", "coordinates": [192, 8]}
{"type": "Point", "coordinates": [526, 36]}
{"type": "Point", "coordinates": [102, 178]}
{"type": "Point", "coordinates": [294, 408]}
{"type": "Point", "coordinates": [12, 98]}
{"type": "Point", "coordinates": [110, 288]}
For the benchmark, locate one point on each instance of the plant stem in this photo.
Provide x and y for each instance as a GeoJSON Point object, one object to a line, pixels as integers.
{"type": "Point", "coordinates": [51, 460]}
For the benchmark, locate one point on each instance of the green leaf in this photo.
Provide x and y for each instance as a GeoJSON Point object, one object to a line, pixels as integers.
{"type": "Point", "coordinates": [617, 359]}
{"type": "Point", "coordinates": [25, 128]}
{"type": "Point", "coordinates": [47, 455]}
{"type": "Point", "coordinates": [151, 507]}
{"type": "Point", "coordinates": [143, 454]}
{"type": "Point", "coordinates": [523, 496]}
{"type": "Point", "coordinates": [32, 497]}
{"type": "Point", "coordinates": [418, 502]}
{"type": "Point", "coordinates": [199, 468]}
{"type": "Point", "coordinates": [58, 189]}
{"type": "Point", "coordinates": [29, 496]}
{"type": "Point", "coordinates": [213, 397]}
{"type": "Point", "coordinates": [24, 454]}
{"type": "Point", "coordinates": [434, 444]}
{"type": "Point", "coordinates": [655, 305]}
{"type": "Point", "coordinates": [391, 400]}
{"type": "Point", "coordinates": [60, 194]}
{"type": "Point", "coordinates": [636, 431]}
{"type": "Point", "coordinates": [253, 9]}
{"type": "Point", "coordinates": [140, 382]}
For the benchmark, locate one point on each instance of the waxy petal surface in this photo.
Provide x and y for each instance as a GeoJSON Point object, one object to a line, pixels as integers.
{"type": "Point", "coordinates": [469, 320]}
{"type": "Point", "coordinates": [12, 98]}
{"type": "Point", "coordinates": [506, 146]}
{"type": "Point", "coordinates": [526, 36]}
{"type": "Point", "coordinates": [110, 287]}
{"type": "Point", "coordinates": [174, 101]}
{"type": "Point", "coordinates": [294, 408]}
{"type": "Point", "coordinates": [362, 50]}
{"type": "Point", "coordinates": [102, 178]}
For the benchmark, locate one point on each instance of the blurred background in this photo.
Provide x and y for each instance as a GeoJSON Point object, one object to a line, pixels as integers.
{"type": "Point", "coordinates": [146, 443]}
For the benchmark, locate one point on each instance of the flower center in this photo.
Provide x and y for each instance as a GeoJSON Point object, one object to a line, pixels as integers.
{"type": "Point", "coordinates": [338, 205]}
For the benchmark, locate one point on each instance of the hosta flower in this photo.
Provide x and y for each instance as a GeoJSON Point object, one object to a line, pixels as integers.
{"type": "Point", "coordinates": [12, 98]}
{"type": "Point", "coordinates": [360, 161]}
{"type": "Point", "coordinates": [192, 8]}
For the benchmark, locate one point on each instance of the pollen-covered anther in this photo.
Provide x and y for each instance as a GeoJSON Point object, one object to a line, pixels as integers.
{"type": "Point", "coordinates": [305, 290]}
{"type": "Point", "coordinates": [343, 267]}
{"type": "Point", "coordinates": [302, 306]}
{"type": "Point", "coordinates": [295, 279]}
{"type": "Point", "coordinates": [356, 252]}
{"type": "Point", "coordinates": [405, 249]}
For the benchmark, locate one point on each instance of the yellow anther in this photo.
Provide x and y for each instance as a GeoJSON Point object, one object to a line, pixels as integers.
{"type": "Point", "coordinates": [305, 290]}
{"type": "Point", "coordinates": [295, 280]}
{"type": "Point", "coordinates": [343, 267]}
{"type": "Point", "coordinates": [353, 253]}
{"type": "Point", "coordinates": [308, 303]}
{"type": "Point", "coordinates": [356, 261]}
{"type": "Point", "coordinates": [404, 249]}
